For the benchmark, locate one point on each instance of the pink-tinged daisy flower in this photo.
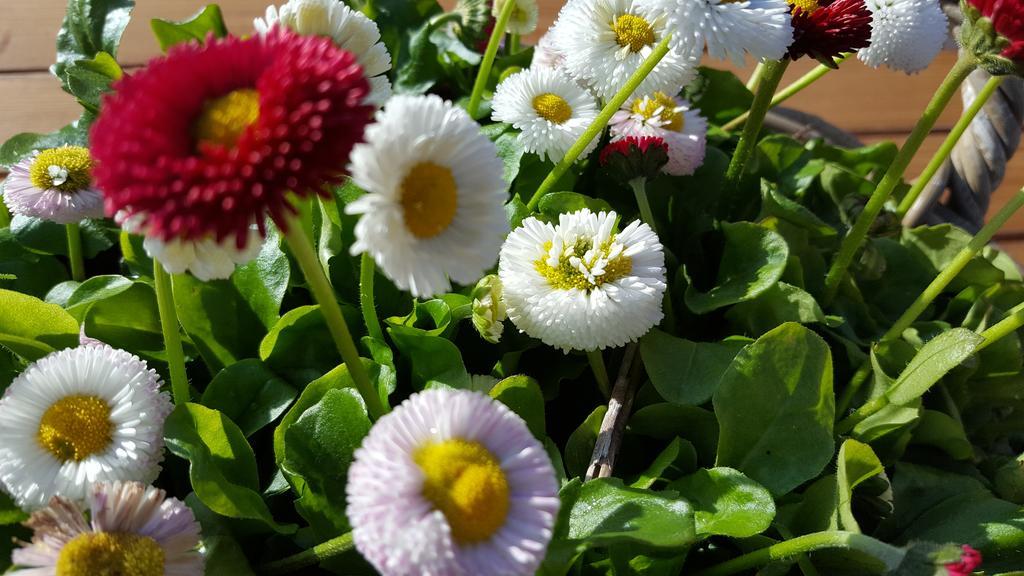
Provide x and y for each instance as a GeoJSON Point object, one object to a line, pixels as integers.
{"type": "Point", "coordinates": [79, 416]}
{"type": "Point", "coordinates": [970, 560]}
{"type": "Point", "coordinates": [670, 118]}
{"type": "Point", "coordinates": [210, 139]}
{"type": "Point", "coordinates": [132, 529]}
{"type": "Point", "coordinates": [826, 29]}
{"type": "Point", "coordinates": [452, 483]}
{"type": "Point", "coordinates": [54, 185]}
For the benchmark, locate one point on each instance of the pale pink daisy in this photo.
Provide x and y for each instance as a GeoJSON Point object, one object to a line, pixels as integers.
{"type": "Point", "coordinates": [671, 119]}
{"type": "Point", "coordinates": [54, 185]}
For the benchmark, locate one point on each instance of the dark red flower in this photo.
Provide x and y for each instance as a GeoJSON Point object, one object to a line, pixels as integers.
{"type": "Point", "coordinates": [633, 157]}
{"type": "Point", "coordinates": [1007, 17]}
{"type": "Point", "coordinates": [970, 560]}
{"type": "Point", "coordinates": [212, 138]}
{"type": "Point", "coordinates": [824, 29]}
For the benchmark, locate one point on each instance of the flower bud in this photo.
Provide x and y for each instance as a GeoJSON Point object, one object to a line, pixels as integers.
{"type": "Point", "coordinates": [489, 310]}
{"type": "Point", "coordinates": [993, 31]}
{"type": "Point", "coordinates": [632, 158]}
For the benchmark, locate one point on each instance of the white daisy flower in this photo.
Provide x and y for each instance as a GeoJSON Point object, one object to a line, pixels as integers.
{"type": "Point", "coordinates": [605, 41]}
{"type": "Point", "coordinates": [580, 285]}
{"type": "Point", "coordinates": [546, 54]}
{"type": "Point", "coordinates": [452, 483]}
{"type": "Point", "coordinates": [659, 115]}
{"type": "Point", "coordinates": [132, 529]}
{"type": "Point", "coordinates": [79, 416]}
{"type": "Point", "coordinates": [349, 29]}
{"type": "Point", "coordinates": [524, 16]}
{"type": "Point", "coordinates": [550, 110]}
{"type": "Point", "coordinates": [434, 212]}
{"type": "Point", "coordinates": [905, 34]}
{"type": "Point", "coordinates": [207, 259]}
{"type": "Point", "coordinates": [730, 28]}
{"type": "Point", "coordinates": [54, 185]}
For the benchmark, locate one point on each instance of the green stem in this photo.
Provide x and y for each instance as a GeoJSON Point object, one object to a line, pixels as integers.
{"type": "Point", "coordinates": [74, 232]}
{"type": "Point", "coordinates": [311, 557]}
{"type": "Point", "coordinates": [320, 286]}
{"type": "Point", "coordinates": [773, 72]}
{"type": "Point", "coordinates": [1013, 322]}
{"type": "Point", "coordinates": [894, 176]}
{"type": "Point", "coordinates": [595, 129]}
{"type": "Point", "coordinates": [755, 77]}
{"type": "Point", "coordinates": [5, 216]}
{"type": "Point", "coordinates": [639, 186]}
{"type": "Point", "coordinates": [489, 55]}
{"type": "Point", "coordinates": [858, 380]}
{"type": "Point", "coordinates": [172, 334]}
{"type": "Point", "coordinates": [889, 555]}
{"type": "Point", "coordinates": [801, 559]}
{"type": "Point", "coordinates": [596, 359]}
{"type": "Point", "coordinates": [367, 268]}
{"type": "Point", "coordinates": [513, 43]}
{"type": "Point", "coordinates": [947, 146]}
{"type": "Point", "coordinates": [788, 92]}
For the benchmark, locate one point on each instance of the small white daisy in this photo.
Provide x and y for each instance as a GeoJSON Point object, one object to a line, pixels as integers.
{"type": "Point", "coordinates": [452, 483]}
{"type": "Point", "coordinates": [905, 34]}
{"type": "Point", "coordinates": [524, 16]}
{"type": "Point", "coordinates": [731, 28]}
{"type": "Point", "coordinates": [132, 529]}
{"type": "Point", "coordinates": [605, 41]}
{"type": "Point", "coordinates": [54, 185]}
{"type": "Point", "coordinates": [79, 416]}
{"type": "Point", "coordinates": [349, 29]}
{"type": "Point", "coordinates": [550, 110]}
{"type": "Point", "coordinates": [434, 212]}
{"type": "Point", "coordinates": [580, 285]}
{"type": "Point", "coordinates": [207, 259]}
{"type": "Point", "coordinates": [659, 115]}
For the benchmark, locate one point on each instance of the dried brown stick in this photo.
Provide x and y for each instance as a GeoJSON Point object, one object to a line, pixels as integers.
{"type": "Point", "coordinates": [613, 427]}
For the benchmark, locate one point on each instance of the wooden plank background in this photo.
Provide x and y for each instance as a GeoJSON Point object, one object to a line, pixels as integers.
{"type": "Point", "coordinates": [875, 105]}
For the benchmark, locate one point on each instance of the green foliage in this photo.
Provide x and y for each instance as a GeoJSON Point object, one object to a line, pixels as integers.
{"type": "Point", "coordinates": [32, 328]}
{"type": "Point", "coordinates": [685, 372]}
{"type": "Point", "coordinates": [727, 503]}
{"type": "Point", "coordinates": [604, 512]}
{"type": "Point", "coordinates": [207, 21]}
{"type": "Point", "coordinates": [89, 28]}
{"type": "Point", "coordinates": [753, 261]}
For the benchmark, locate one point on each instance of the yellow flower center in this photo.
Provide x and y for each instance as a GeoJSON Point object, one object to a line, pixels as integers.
{"type": "Point", "coordinates": [75, 427]}
{"type": "Point", "coordinates": [805, 6]}
{"type": "Point", "coordinates": [582, 268]}
{"type": "Point", "coordinates": [430, 197]}
{"type": "Point", "coordinates": [664, 107]}
{"type": "Point", "coordinates": [466, 483]}
{"type": "Point", "coordinates": [633, 31]}
{"type": "Point", "coordinates": [68, 169]}
{"type": "Point", "coordinates": [225, 119]}
{"type": "Point", "coordinates": [552, 108]}
{"type": "Point", "coordinates": [111, 554]}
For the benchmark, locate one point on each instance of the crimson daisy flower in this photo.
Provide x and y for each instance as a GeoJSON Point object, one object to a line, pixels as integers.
{"type": "Point", "coordinates": [634, 157]}
{"type": "Point", "coordinates": [825, 29]}
{"type": "Point", "coordinates": [210, 139]}
{"type": "Point", "coordinates": [994, 31]}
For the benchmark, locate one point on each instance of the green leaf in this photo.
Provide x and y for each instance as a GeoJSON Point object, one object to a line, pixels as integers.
{"type": "Point", "coordinates": [677, 450]}
{"type": "Point", "coordinates": [685, 372]}
{"type": "Point", "coordinates": [94, 290]}
{"type": "Point", "coordinates": [217, 319]}
{"type": "Point", "coordinates": [32, 328]}
{"type": "Point", "coordinates": [580, 446]}
{"type": "Point", "coordinates": [318, 450]}
{"type": "Point", "coordinates": [932, 362]}
{"type": "Point", "coordinates": [9, 511]}
{"type": "Point", "coordinates": [557, 203]}
{"type": "Point", "coordinates": [223, 467]}
{"type": "Point", "coordinates": [779, 304]}
{"type": "Point", "coordinates": [221, 552]}
{"type": "Point", "coordinates": [128, 320]}
{"type": "Point", "coordinates": [753, 261]}
{"type": "Point", "coordinates": [250, 394]}
{"type": "Point", "coordinates": [207, 21]}
{"type": "Point", "coordinates": [727, 503]}
{"type": "Point", "coordinates": [90, 27]}
{"type": "Point", "coordinates": [857, 462]}
{"type": "Point", "coordinates": [434, 360]}
{"type": "Point", "coordinates": [667, 421]}
{"type": "Point", "coordinates": [300, 348]}
{"type": "Point", "coordinates": [51, 238]}
{"type": "Point", "coordinates": [523, 396]}
{"type": "Point", "coordinates": [263, 282]}
{"type": "Point", "coordinates": [605, 512]}
{"type": "Point", "coordinates": [35, 274]}
{"type": "Point", "coordinates": [422, 70]}
{"type": "Point", "coordinates": [776, 408]}
{"type": "Point", "coordinates": [943, 432]}
{"type": "Point", "coordinates": [21, 145]}
{"type": "Point", "coordinates": [510, 150]}
{"type": "Point", "coordinates": [89, 80]}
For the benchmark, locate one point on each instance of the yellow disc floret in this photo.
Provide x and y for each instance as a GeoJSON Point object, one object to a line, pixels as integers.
{"type": "Point", "coordinates": [664, 107]}
{"type": "Point", "coordinates": [552, 108]}
{"type": "Point", "coordinates": [111, 554]}
{"type": "Point", "coordinates": [805, 6]}
{"type": "Point", "coordinates": [225, 119]}
{"type": "Point", "coordinates": [429, 200]}
{"type": "Point", "coordinates": [633, 31]}
{"type": "Point", "coordinates": [68, 169]}
{"type": "Point", "coordinates": [75, 427]}
{"type": "Point", "coordinates": [465, 481]}
{"type": "Point", "coordinates": [573, 267]}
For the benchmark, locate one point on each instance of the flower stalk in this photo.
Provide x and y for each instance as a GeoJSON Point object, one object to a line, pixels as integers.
{"type": "Point", "coordinates": [889, 555]}
{"type": "Point", "coordinates": [1014, 321]}
{"type": "Point", "coordinates": [323, 292]}
{"type": "Point", "coordinates": [74, 232]}
{"type": "Point", "coordinates": [602, 120]}
{"type": "Point", "coordinates": [172, 335]}
{"type": "Point", "coordinates": [769, 81]}
{"type": "Point", "coordinates": [786, 93]}
{"type": "Point", "coordinates": [488, 61]}
{"type": "Point", "coordinates": [597, 366]}
{"type": "Point", "coordinates": [855, 238]}
{"type": "Point", "coordinates": [5, 216]}
{"type": "Point", "coordinates": [367, 269]}
{"type": "Point", "coordinates": [639, 186]}
{"type": "Point", "coordinates": [311, 557]}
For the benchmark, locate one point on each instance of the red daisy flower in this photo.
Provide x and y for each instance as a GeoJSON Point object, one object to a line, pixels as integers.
{"type": "Point", "coordinates": [633, 157]}
{"type": "Point", "coordinates": [824, 29]}
{"type": "Point", "coordinates": [970, 560]}
{"type": "Point", "coordinates": [212, 138]}
{"type": "Point", "coordinates": [1007, 17]}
